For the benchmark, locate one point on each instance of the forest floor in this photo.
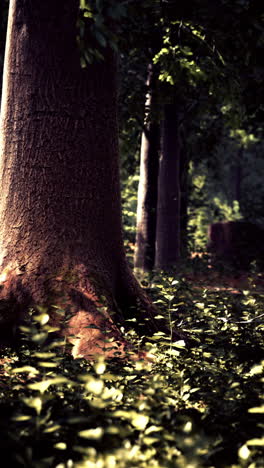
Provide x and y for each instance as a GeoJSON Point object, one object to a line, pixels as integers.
{"type": "Point", "coordinates": [234, 283]}
{"type": "Point", "coordinates": [201, 274]}
{"type": "Point", "coordinates": [195, 405]}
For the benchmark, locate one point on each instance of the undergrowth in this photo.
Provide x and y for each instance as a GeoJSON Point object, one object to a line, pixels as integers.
{"type": "Point", "coordinates": [190, 407]}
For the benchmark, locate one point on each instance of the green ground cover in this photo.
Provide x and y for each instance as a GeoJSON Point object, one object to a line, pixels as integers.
{"type": "Point", "coordinates": [197, 403]}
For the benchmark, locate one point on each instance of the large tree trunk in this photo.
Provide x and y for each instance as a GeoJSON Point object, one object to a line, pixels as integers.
{"type": "Point", "coordinates": [60, 217]}
{"type": "Point", "coordinates": [3, 19]}
{"type": "Point", "coordinates": [148, 184]}
{"type": "Point", "coordinates": [168, 217]}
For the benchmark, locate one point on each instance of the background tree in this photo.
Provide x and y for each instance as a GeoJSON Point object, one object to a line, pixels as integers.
{"type": "Point", "coordinates": [197, 55]}
{"type": "Point", "coordinates": [148, 181]}
{"type": "Point", "coordinates": [177, 71]}
{"type": "Point", "coordinates": [168, 207]}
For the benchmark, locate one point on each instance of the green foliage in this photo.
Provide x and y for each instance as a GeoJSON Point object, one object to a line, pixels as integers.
{"type": "Point", "coordinates": [213, 70]}
{"type": "Point", "coordinates": [225, 182]}
{"type": "Point", "coordinates": [252, 190]}
{"type": "Point", "coordinates": [208, 204]}
{"type": "Point", "coordinates": [191, 406]}
{"type": "Point", "coordinates": [186, 59]}
{"type": "Point", "coordinates": [129, 209]}
{"type": "Point", "coordinates": [98, 25]}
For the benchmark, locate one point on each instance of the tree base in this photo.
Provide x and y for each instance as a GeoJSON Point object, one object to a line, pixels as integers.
{"type": "Point", "coordinates": [74, 306]}
{"type": "Point", "coordinates": [84, 310]}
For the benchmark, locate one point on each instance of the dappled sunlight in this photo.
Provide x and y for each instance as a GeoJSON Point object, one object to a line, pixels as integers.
{"type": "Point", "coordinates": [195, 405]}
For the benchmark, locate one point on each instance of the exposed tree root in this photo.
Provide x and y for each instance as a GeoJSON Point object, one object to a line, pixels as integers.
{"type": "Point", "coordinates": [83, 310]}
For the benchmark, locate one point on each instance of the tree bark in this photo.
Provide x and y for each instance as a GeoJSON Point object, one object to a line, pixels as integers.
{"type": "Point", "coordinates": [148, 184]}
{"type": "Point", "coordinates": [60, 216]}
{"type": "Point", "coordinates": [184, 192]}
{"type": "Point", "coordinates": [168, 216]}
{"type": "Point", "coordinates": [3, 20]}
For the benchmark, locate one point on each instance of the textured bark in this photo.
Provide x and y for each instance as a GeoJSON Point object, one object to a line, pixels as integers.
{"type": "Point", "coordinates": [148, 185]}
{"type": "Point", "coordinates": [168, 217]}
{"type": "Point", "coordinates": [60, 216]}
{"type": "Point", "coordinates": [184, 192]}
{"type": "Point", "coordinates": [3, 21]}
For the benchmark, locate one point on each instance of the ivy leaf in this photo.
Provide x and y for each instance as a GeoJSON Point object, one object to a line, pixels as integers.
{"type": "Point", "coordinates": [26, 369]}
{"type": "Point", "coordinates": [140, 421]}
{"type": "Point", "coordinates": [244, 452]}
{"type": "Point", "coordinates": [100, 367]}
{"type": "Point", "coordinates": [45, 384]}
{"type": "Point", "coordinates": [256, 442]}
{"type": "Point", "coordinates": [60, 446]}
{"type": "Point", "coordinates": [257, 409]}
{"type": "Point", "coordinates": [35, 403]}
{"type": "Point", "coordinates": [42, 318]}
{"type": "Point", "coordinates": [92, 434]}
{"type": "Point", "coordinates": [21, 418]}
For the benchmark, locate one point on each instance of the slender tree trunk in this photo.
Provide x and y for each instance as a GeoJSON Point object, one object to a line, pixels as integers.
{"type": "Point", "coordinates": [184, 166]}
{"type": "Point", "coordinates": [148, 185]}
{"type": "Point", "coordinates": [236, 175]}
{"type": "Point", "coordinates": [60, 216]}
{"type": "Point", "coordinates": [168, 217]}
